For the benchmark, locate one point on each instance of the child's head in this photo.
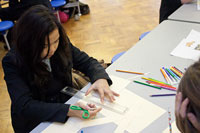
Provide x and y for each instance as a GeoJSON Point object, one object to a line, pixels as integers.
{"type": "Point", "coordinates": [38, 34]}
{"type": "Point", "coordinates": [190, 88]}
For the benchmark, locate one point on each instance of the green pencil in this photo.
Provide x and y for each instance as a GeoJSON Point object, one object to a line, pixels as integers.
{"type": "Point", "coordinates": [171, 74]}
{"type": "Point", "coordinates": [147, 84]}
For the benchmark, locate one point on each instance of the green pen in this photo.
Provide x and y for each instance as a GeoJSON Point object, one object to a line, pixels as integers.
{"type": "Point", "coordinates": [147, 84]}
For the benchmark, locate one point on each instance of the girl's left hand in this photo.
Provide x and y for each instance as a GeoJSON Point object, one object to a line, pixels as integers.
{"type": "Point", "coordinates": [180, 111]}
{"type": "Point", "coordinates": [101, 85]}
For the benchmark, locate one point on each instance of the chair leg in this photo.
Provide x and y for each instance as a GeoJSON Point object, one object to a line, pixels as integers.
{"type": "Point", "coordinates": [79, 10]}
{"type": "Point", "coordinates": [74, 4]}
{"type": "Point", "coordinates": [6, 40]}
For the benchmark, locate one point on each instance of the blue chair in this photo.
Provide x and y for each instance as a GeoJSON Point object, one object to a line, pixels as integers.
{"type": "Point", "coordinates": [4, 27]}
{"type": "Point", "coordinates": [117, 56]}
{"type": "Point", "coordinates": [143, 35]}
{"type": "Point", "coordinates": [56, 4]}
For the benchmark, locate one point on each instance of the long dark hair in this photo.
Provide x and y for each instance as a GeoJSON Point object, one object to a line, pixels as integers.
{"type": "Point", "coordinates": [190, 88]}
{"type": "Point", "coordinates": [30, 32]}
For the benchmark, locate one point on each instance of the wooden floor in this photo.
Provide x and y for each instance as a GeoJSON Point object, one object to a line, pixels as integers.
{"type": "Point", "coordinates": [112, 26]}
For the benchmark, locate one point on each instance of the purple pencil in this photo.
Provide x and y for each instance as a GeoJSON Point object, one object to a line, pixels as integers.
{"type": "Point", "coordinates": [160, 95]}
{"type": "Point", "coordinates": [170, 77]}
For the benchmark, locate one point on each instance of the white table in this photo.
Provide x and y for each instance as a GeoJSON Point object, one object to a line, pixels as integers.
{"type": "Point", "coordinates": [149, 55]}
{"type": "Point", "coordinates": [186, 13]}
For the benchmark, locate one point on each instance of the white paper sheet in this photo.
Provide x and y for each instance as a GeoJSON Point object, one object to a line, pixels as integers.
{"type": "Point", "coordinates": [141, 113]}
{"type": "Point", "coordinates": [118, 83]}
{"type": "Point", "coordinates": [135, 119]}
{"type": "Point", "coordinates": [198, 4]}
{"type": "Point", "coordinates": [189, 48]}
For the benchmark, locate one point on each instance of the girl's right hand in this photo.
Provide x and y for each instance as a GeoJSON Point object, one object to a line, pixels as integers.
{"type": "Point", "coordinates": [92, 109]}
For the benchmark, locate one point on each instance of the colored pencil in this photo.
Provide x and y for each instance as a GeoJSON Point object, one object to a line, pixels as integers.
{"type": "Point", "coordinates": [155, 83]}
{"type": "Point", "coordinates": [172, 80]}
{"type": "Point", "coordinates": [130, 72]}
{"type": "Point", "coordinates": [173, 74]}
{"type": "Point", "coordinates": [168, 77]}
{"type": "Point", "coordinates": [178, 69]}
{"type": "Point", "coordinates": [179, 78]}
{"type": "Point", "coordinates": [160, 95]}
{"type": "Point", "coordinates": [165, 76]}
{"type": "Point", "coordinates": [166, 88]}
{"type": "Point", "coordinates": [170, 123]}
{"type": "Point", "coordinates": [147, 84]}
{"type": "Point", "coordinates": [154, 80]}
{"type": "Point", "coordinates": [176, 72]}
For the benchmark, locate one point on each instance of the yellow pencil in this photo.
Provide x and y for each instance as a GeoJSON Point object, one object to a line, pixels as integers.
{"type": "Point", "coordinates": [176, 72]}
{"type": "Point", "coordinates": [150, 79]}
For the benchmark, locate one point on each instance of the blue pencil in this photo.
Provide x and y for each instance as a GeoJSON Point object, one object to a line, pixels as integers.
{"type": "Point", "coordinates": [168, 74]}
{"type": "Point", "coordinates": [171, 74]}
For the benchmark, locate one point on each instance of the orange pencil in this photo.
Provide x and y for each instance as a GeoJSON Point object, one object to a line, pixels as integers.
{"type": "Point", "coordinates": [130, 72]}
{"type": "Point", "coordinates": [165, 76]}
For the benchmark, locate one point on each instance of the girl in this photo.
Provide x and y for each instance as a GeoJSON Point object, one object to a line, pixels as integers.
{"type": "Point", "coordinates": [39, 67]}
{"type": "Point", "coordinates": [187, 108]}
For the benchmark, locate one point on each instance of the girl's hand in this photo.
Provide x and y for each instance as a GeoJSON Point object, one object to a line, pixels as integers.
{"type": "Point", "coordinates": [181, 107]}
{"type": "Point", "coordinates": [180, 111]}
{"type": "Point", "coordinates": [78, 113]}
{"type": "Point", "coordinates": [101, 85]}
